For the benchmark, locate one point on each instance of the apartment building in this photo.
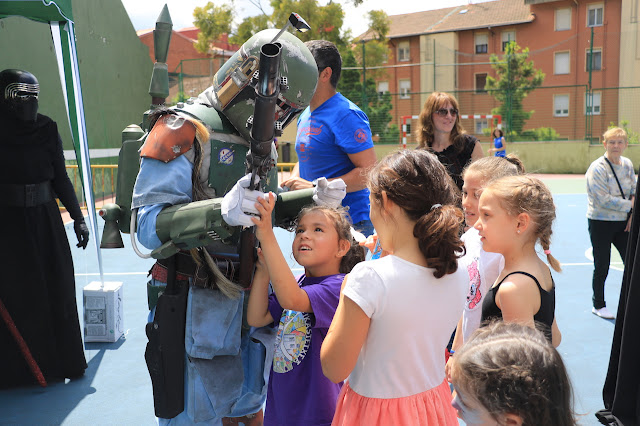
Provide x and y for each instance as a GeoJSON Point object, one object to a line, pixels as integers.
{"type": "Point", "coordinates": [578, 44]}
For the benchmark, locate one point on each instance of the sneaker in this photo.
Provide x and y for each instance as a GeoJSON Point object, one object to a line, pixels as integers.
{"type": "Point", "coordinates": [602, 313]}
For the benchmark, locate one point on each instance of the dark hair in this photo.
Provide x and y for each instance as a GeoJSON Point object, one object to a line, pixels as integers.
{"type": "Point", "coordinates": [526, 194]}
{"type": "Point", "coordinates": [510, 368]}
{"type": "Point", "coordinates": [497, 130]}
{"type": "Point", "coordinates": [340, 219]}
{"type": "Point", "coordinates": [491, 168]}
{"type": "Point", "coordinates": [326, 55]}
{"type": "Point", "coordinates": [417, 182]}
{"type": "Point", "coordinates": [425, 131]}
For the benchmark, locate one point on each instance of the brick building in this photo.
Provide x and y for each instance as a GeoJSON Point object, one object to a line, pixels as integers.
{"type": "Point", "coordinates": [186, 65]}
{"type": "Point", "coordinates": [449, 50]}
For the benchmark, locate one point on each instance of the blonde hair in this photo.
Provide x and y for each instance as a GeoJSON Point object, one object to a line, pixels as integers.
{"type": "Point", "coordinates": [491, 168]}
{"type": "Point", "coordinates": [526, 194]}
{"type": "Point", "coordinates": [615, 132]}
{"type": "Point", "coordinates": [425, 131]}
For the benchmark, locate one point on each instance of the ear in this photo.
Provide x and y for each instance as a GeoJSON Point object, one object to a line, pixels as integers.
{"type": "Point", "coordinates": [343, 247]}
{"type": "Point", "coordinates": [386, 203]}
{"type": "Point", "coordinates": [524, 221]}
{"type": "Point", "coordinates": [512, 420]}
{"type": "Point", "coordinates": [325, 75]}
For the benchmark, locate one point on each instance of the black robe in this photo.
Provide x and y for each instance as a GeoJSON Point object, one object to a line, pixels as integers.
{"type": "Point", "coordinates": [38, 284]}
{"type": "Point", "coordinates": [621, 392]}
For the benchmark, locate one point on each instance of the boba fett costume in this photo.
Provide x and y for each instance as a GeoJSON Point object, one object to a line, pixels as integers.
{"type": "Point", "coordinates": [194, 154]}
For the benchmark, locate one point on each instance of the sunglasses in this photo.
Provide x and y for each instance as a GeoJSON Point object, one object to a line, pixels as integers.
{"type": "Point", "coordinates": [442, 112]}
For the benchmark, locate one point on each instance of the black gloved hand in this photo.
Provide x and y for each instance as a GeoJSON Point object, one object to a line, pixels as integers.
{"type": "Point", "coordinates": [82, 232]}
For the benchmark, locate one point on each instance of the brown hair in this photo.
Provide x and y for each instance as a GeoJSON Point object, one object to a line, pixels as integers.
{"type": "Point", "coordinates": [418, 183]}
{"type": "Point", "coordinates": [510, 368]}
{"type": "Point", "coordinates": [340, 219]}
{"type": "Point", "coordinates": [491, 168]}
{"type": "Point", "coordinates": [526, 194]}
{"type": "Point", "coordinates": [425, 131]}
{"type": "Point", "coordinates": [497, 130]}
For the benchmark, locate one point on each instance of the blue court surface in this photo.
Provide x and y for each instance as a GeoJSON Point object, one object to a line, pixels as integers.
{"type": "Point", "coordinates": [116, 389]}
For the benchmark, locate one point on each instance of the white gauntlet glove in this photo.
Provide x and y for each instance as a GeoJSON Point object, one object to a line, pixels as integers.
{"type": "Point", "coordinates": [238, 205]}
{"type": "Point", "coordinates": [329, 194]}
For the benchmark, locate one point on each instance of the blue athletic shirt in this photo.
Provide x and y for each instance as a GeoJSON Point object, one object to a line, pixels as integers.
{"type": "Point", "coordinates": [325, 137]}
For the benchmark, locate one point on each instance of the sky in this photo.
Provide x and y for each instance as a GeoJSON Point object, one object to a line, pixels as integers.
{"type": "Point", "coordinates": [143, 13]}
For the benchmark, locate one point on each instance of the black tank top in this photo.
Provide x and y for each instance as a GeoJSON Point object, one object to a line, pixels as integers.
{"type": "Point", "coordinates": [543, 318]}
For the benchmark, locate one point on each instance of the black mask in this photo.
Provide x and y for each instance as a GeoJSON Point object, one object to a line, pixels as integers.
{"type": "Point", "coordinates": [19, 94]}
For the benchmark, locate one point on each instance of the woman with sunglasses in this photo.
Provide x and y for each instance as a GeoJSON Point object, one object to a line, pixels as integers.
{"type": "Point", "coordinates": [440, 132]}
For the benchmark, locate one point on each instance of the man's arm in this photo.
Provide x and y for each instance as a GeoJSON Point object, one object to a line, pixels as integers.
{"type": "Point", "coordinates": [363, 161]}
{"type": "Point", "coordinates": [356, 179]}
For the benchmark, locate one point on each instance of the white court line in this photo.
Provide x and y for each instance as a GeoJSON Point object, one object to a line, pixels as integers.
{"type": "Point", "coordinates": [588, 253]}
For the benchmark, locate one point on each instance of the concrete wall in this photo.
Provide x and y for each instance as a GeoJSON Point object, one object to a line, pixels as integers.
{"type": "Point", "coordinates": [115, 69]}
{"type": "Point", "coordinates": [539, 157]}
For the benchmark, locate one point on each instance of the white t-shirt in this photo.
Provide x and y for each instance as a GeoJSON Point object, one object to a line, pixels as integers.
{"type": "Point", "coordinates": [412, 317]}
{"type": "Point", "coordinates": [483, 269]}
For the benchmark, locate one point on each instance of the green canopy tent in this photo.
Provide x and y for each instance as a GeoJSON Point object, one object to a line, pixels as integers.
{"type": "Point", "coordinates": [58, 15]}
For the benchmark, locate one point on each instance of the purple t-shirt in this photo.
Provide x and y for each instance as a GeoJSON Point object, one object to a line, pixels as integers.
{"type": "Point", "coordinates": [303, 396]}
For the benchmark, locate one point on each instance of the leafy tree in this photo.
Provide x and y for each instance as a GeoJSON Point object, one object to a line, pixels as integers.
{"type": "Point", "coordinates": [213, 21]}
{"type": "Point", "coordinates": [378, 107]}
{"type": "Point", "coordinates": [248, 28]}
{"type": "Point", "coordinates": [325, 21]}
{"type": "Point", "coordinates": [515, 79]}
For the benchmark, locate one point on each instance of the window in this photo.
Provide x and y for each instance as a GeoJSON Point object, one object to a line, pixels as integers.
{"type": "Point", "coordinates": [481, 81]}
{"type": "Point", "coordinates": [507, 36]}
{"type": "Point", "coordinates": [383, 87]}
{"type": "Point", "coordinates": [561, 105]}
{"type": "Point", "coordinates": [594, 108]}
{"type": "Point", "coordinates": [482, 43]}
{"type": "Point", "coordinates": [561, 63]}
{"type": "Point", "coordinates": [563, 19]}
{"type": "Point", "coordinates": [403, 51]}
{"type": "Point", "coordinates": [481, 124]}
{"type": "Point", "coordinates": [594, 62]}
{"type": "Point", "coordinates": [405, 89]}
{"type": "Point", "coordinates": [594, 15]}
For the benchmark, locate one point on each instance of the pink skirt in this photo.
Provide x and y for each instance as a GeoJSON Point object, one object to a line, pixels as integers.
{"type": "Point", "coordinates": [429, 408]}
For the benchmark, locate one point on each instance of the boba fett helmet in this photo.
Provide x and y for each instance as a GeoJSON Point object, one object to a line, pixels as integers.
{"type": "Point", "coordinates": [233, 89]}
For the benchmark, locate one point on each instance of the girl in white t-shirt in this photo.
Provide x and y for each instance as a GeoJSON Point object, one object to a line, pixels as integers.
{"type": "Point", "coordinates": [395, 314]}
{"type": "Point", "coordinates": [482, 267]}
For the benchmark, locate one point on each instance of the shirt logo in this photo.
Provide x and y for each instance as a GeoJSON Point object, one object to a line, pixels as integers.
{"type": "Point", "coordinates": [360, 136]}
{"type": "Point", "coordinates": [292, 340]}
{"type": "Point", "coordinates": [475, 295]}
{"type": "Point", "coordinates": [225, 156]}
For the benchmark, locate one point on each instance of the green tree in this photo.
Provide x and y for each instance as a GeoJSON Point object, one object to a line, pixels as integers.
{"type": "Point", "coordinates": [213, 21]}
{"type": "Point", "coordinates": [248, 28]}
{"type": "Point", "coordinates": [515, 78]}
{"type": "Point", "coordinates": [325, 21]}
{"type": "Point", "coordinates": [377, 106]}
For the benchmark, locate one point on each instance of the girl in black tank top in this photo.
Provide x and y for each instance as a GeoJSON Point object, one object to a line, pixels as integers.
{"type": "Point", "coordinates": [515, 213]}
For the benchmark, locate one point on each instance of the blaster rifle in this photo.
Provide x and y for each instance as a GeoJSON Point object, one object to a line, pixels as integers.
{"type": "Point", "coordinates": [263, 126]}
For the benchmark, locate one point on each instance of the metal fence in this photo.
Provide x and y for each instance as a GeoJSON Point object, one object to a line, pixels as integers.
{"type": "Point", "coordinates": [104, 178]}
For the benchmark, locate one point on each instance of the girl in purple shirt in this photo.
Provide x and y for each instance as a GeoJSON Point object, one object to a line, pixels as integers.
{"type": "Point", "coordinates": [298, 392]}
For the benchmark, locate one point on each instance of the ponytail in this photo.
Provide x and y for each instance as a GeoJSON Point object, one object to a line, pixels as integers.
{"type": "Point", "coordinates": [437, 232]}
{"type": "Point", "coordinates": [545, 240]}
{"type": "Point", "coordinates": [355, 255]}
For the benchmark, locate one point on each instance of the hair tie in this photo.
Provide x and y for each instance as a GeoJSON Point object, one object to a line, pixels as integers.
{"type": "Point", "coordinates": [547, 252]}
{"type": "Point", "coordinates": [435, 206]}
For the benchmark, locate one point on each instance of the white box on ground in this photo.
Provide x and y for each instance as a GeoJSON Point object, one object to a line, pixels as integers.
{"type": "Point", "coordinates": [103, 312]}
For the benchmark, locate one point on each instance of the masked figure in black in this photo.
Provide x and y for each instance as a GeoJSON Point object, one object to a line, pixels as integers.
{"type": "Point", "coordinates": [37, 287]}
